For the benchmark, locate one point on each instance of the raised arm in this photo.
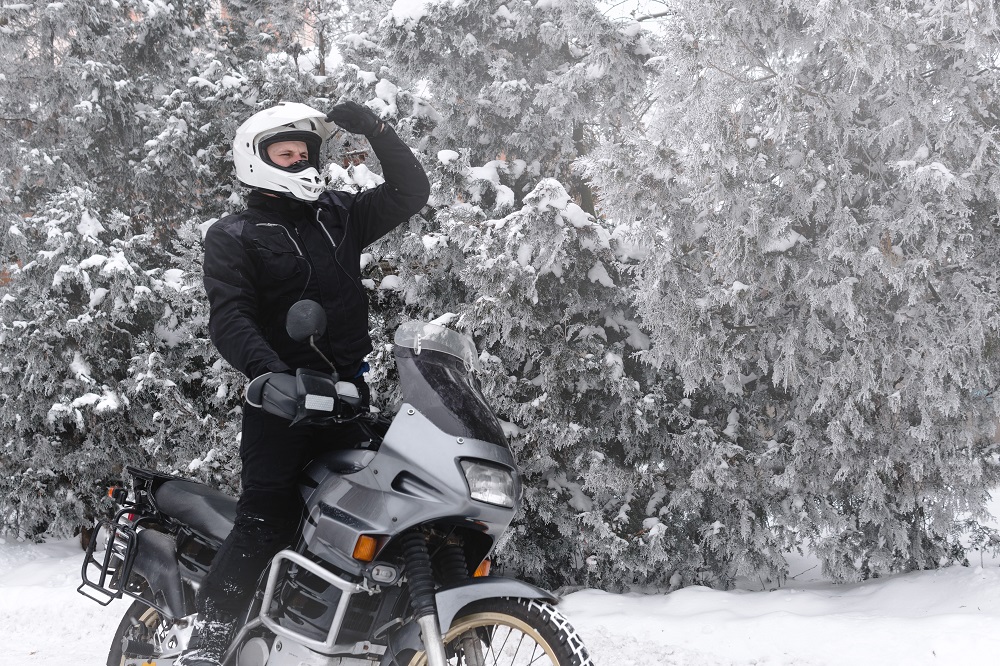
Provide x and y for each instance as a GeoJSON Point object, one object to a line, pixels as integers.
{"type": "Point", "coordinates": [406, 188]}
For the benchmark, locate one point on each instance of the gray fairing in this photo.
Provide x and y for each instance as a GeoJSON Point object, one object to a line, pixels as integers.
{"type": "Point", "coordinates": [415, 478]}
{"type": "Point", "coordinates": [452, 600]}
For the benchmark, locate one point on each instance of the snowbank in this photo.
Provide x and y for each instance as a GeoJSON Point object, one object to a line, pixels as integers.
{"type": "Point", "coordinates": [949, 617]}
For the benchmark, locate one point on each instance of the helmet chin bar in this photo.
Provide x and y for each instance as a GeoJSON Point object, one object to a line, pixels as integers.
{"type": "Point", "coordinates": [305, 188]}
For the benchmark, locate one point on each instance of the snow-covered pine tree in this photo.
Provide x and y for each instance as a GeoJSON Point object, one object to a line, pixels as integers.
{"type": "Point", "coordinates": [303, 31]}
{"type": "Point", "coordinates": [74, 301]}
{"type": "Point", "coordinates": [120, 117]}
{"type": "Point", "coordinates": [525, 81]}
{"type": "Point", "coordinates": [500, 99]}
{"type": "Point", "coordinates": [818, 187]}
{"type": "Point", "coordinates": [75, 74]}
{"type": "Point", "coordinates": [82, 320]}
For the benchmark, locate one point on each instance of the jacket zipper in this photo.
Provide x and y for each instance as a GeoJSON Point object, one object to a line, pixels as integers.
{"type": "Point", "coordinates": [335, 257]}
{"type": "Point", "coordinates": [297, 249]}
{"type": "Point", "coordinates": [323, 227]}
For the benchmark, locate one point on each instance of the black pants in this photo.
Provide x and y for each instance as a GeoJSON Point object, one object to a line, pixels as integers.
{"type": "Point", "coordinates": [270, 506]}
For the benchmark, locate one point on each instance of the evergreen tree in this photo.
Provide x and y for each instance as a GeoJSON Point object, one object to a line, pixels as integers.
{"type": "Point", "coordinates": [530, 83]}
{"type": "Point", "coordinates": [817, 190]}
{"type": "Point", "coordinates": [82, 317]}
{"type": "Point", "coordinates": [734, 280]}
{"type": "Point", "coordinates": [59, 380]}
{"type": "Point", "coordinates": [122, 117]}
{"type": "Point", "coordinates": [499, 101]}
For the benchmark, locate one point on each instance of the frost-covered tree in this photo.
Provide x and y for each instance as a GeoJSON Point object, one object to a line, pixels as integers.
{"type": "Point", "coordinates": [734, 279]}
{"type": "Point", "coordinates": [58, 379]}
{"type": "Point", "coordinates": [74, 75]}
{"type": "Point", "coordinates": [87, 205]}
{"type": "Point", "coordinates": [526, 83]}
{"type": "Point", "coordinates": [817, 187]}
{"type": "Point", "coordinates": [120, 117]}
{"type": "Point", "coordinates": [499, 99]}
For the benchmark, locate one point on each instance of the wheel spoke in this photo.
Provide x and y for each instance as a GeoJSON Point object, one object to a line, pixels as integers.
{"type": "Point", "coordinates": [533, 657]}
{"type": "Point", "coordinates": [493, 642]}
{"type": "Point", "coordinates": [514, 648]}
{"type": "Point", "coordinates": [496, 658]}
{"type": "Point", "coordinates": [518, 648]}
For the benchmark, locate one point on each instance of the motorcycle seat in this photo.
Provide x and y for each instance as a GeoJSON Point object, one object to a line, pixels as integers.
{"type": "Point", "coordinates": [205, 510]}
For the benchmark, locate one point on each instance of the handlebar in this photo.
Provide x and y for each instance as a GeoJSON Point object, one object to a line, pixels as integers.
{"type": "Point", "coordinates": [308, 398]}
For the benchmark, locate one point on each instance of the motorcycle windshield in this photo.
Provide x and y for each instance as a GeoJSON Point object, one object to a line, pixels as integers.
{"type": "Point", "coordinates": [436, 374]}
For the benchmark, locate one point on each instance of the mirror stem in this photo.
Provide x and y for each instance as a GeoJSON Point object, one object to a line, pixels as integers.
{"type": "Point", "coordinates": [312, 343]}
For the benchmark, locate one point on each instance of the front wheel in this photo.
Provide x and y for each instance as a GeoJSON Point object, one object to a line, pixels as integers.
{"type": "Point", "coordinates": [511, 632]}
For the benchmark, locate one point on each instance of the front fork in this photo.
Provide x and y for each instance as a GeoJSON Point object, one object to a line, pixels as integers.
{"type": "Point", "coordinates": [430, 633]}
{"type": "Point", "coordinates": [421, 577]}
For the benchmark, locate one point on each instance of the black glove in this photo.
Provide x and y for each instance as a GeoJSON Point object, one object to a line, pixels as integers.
{"type": "Point", "coordinates": [356, 119]}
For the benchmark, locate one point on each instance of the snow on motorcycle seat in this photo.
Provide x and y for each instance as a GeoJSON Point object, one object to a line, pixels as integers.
{"type": "Point", "coordinates": [203, 509]}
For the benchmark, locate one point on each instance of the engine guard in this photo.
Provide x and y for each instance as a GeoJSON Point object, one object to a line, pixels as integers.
{"type": "Point", "coordinates": [451, 600]}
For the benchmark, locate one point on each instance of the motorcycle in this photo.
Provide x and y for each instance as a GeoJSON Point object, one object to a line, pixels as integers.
{"type": "Point", "coordinates": [391, 564]}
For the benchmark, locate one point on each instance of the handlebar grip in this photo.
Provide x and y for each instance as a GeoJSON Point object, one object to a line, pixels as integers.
{"type": "Point", "coordinates": [275, 393]}
{"type": "Point", "coordinates": [280, 396]}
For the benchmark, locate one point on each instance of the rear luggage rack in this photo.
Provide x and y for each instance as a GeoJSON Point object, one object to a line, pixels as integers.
{"type": "Point", "coordinates": [114, 569]}
{"type": "Point", "coordinates": [151, 576]}
{"type": "Point", "coordinates": [110, 581]}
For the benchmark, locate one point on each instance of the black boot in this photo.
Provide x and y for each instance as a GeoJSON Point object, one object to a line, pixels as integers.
{"type": "Point", "coordinates": [209, 641]}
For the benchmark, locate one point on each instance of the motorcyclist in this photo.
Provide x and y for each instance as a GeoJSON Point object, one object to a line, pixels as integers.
{"type": "Point", "coordinates": [295, 240]}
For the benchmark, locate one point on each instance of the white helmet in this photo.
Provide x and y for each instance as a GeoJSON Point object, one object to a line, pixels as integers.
{"type": "Point", "coordinates": [288, 121]}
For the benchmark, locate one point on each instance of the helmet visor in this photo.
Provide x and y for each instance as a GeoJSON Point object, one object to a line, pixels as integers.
{"type": "Point", "coordinates": [313, 144]}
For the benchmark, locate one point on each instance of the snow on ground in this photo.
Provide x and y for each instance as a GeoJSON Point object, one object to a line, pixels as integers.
{"type": "Point", "coordinates": [42, 618]}
{"type": "Point", "coordinates": [946, 617]}
{"type": "Point", "coordinates": [949, 617]}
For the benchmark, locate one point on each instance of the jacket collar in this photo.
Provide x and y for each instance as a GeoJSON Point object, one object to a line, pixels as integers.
{"type": "Point", "coordinates": [280, 205]}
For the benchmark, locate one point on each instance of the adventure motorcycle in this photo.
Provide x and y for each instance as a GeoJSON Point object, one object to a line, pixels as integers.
{"type": "Point", "coordinates": [392, 560]}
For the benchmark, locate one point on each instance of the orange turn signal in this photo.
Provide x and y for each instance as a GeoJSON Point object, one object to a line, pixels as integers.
{"type": "Point", "coordinates": [364, 549]}
{"type": "Point", "coordinates": [111, 491]}
{"type": "Point", "coordinates": [483, 569]}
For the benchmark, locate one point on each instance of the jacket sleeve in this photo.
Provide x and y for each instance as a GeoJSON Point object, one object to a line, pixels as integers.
{"type": "Point", "coordinates": [229, 283]}
{"type": "Point", "coordinates": [405, 191]}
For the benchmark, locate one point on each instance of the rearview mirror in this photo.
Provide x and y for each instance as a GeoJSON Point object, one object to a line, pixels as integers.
{"type": "Point", "coordinates": [305, 319]}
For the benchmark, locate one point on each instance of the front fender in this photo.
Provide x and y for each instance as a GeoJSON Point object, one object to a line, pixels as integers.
{"type": "Point", "coordinates": [453, 599]}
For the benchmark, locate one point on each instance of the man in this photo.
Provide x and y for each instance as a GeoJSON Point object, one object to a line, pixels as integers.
{"type": "Point", "coordinates": [294, 241]}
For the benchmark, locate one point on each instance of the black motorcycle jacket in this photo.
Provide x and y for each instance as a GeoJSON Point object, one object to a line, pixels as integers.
{"type": "Point", "coordinates": [280, 250]}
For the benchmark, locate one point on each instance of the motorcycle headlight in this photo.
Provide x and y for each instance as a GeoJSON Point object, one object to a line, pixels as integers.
{"type": "Point", "coordinates": [489, 483]}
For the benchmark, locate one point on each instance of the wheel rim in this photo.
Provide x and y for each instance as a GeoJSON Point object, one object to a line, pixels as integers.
{"type": "Point", "coordinates": [513, 642]}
